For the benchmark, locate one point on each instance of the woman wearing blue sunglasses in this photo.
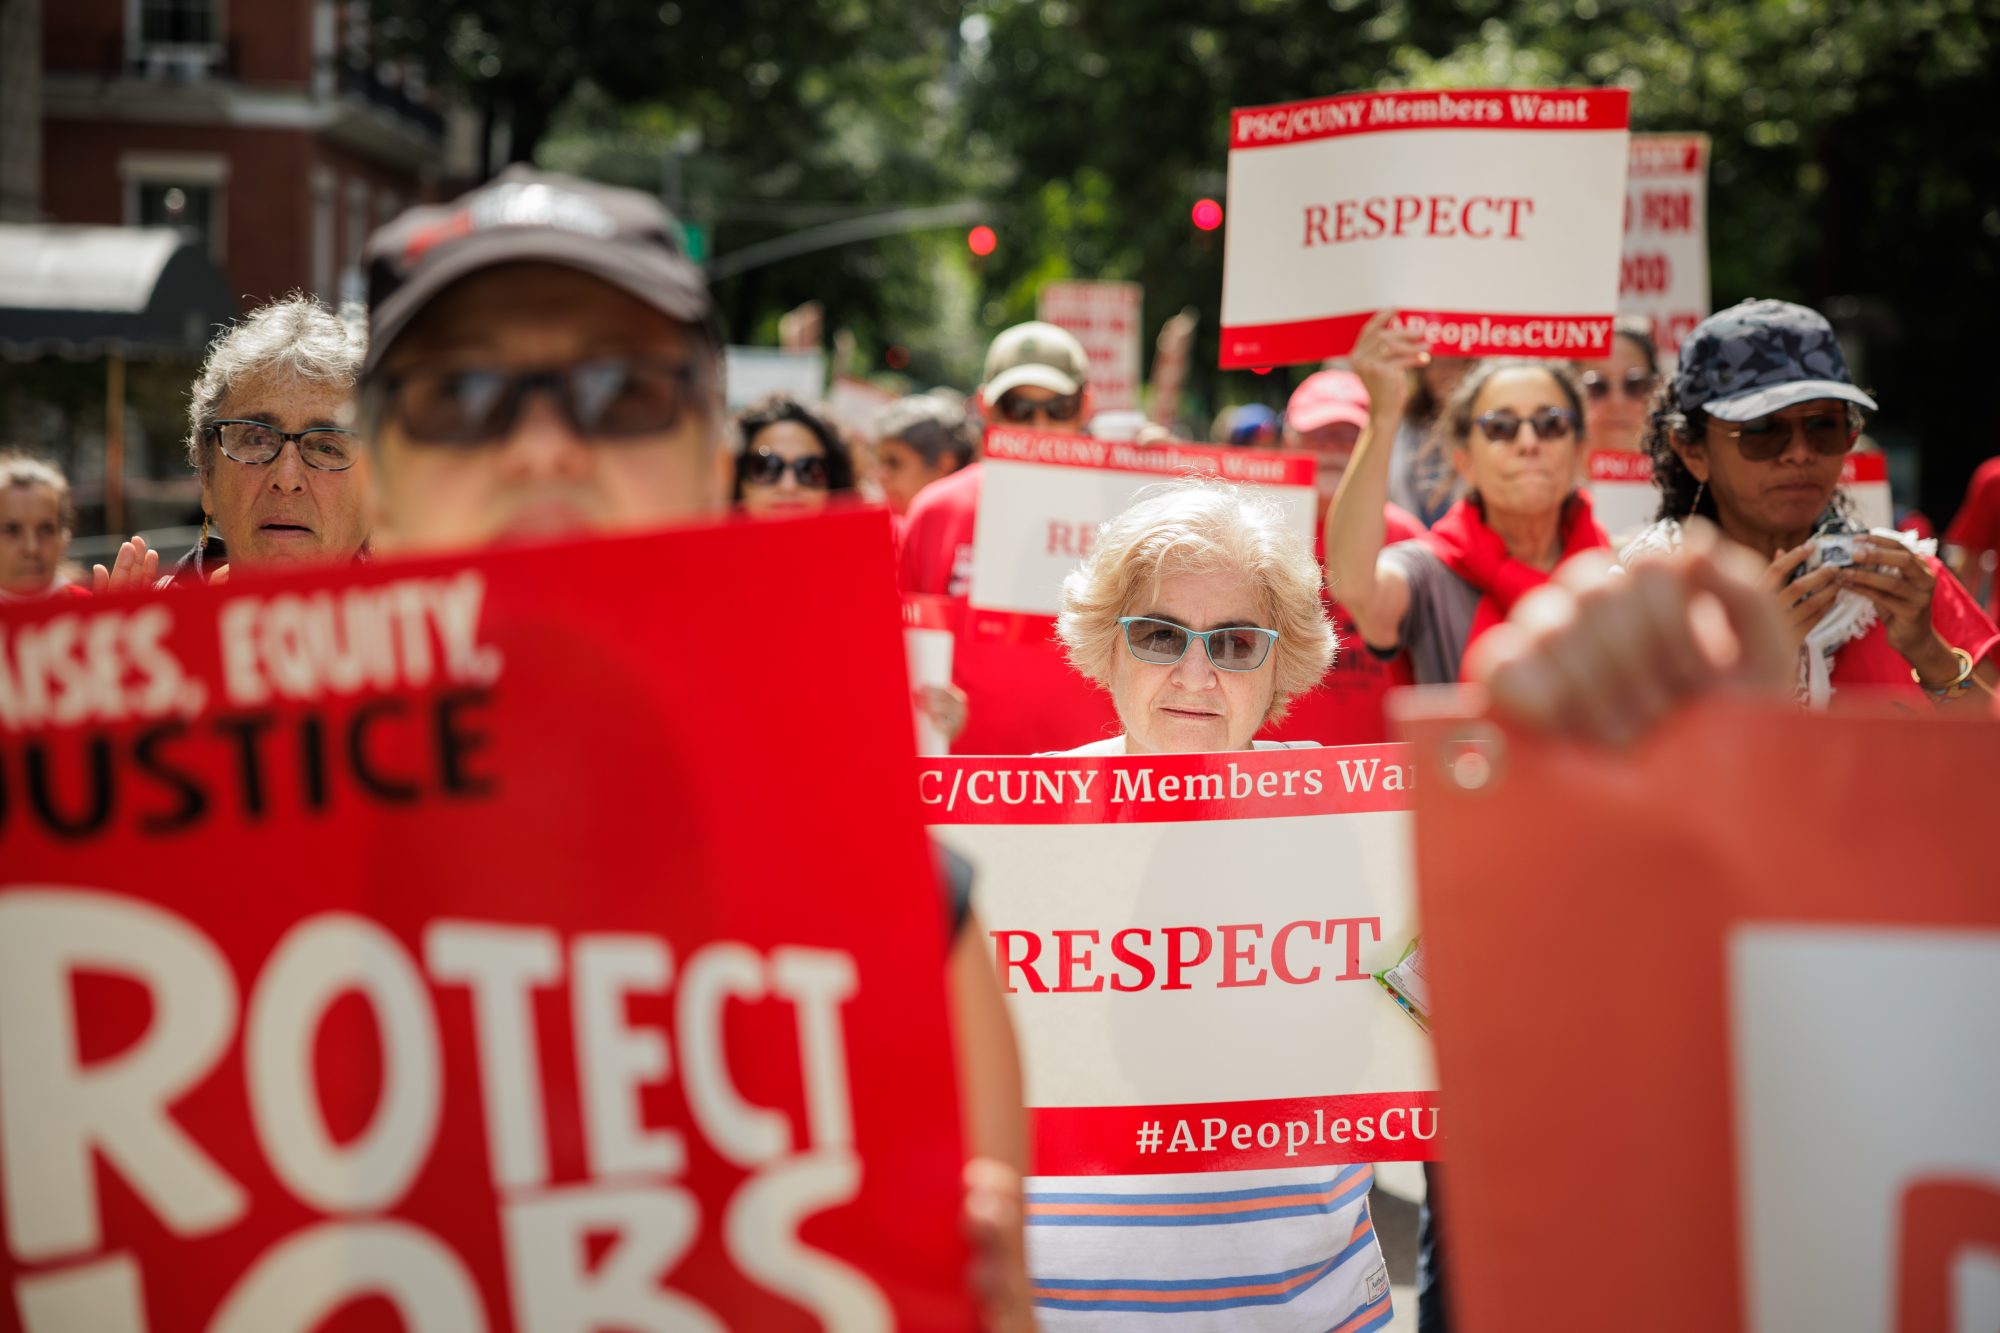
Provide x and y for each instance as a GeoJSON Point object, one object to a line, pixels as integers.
{"type": "Point", "coordinates": [1199, 611]}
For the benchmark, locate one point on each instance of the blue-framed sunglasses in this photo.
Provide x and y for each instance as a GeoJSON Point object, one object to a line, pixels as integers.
{"type": "Point", "coordinates": [1163, 643]}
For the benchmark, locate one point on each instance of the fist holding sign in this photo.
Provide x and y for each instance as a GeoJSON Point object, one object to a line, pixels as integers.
{"type": "Point", "coordinates": [1492, 219]}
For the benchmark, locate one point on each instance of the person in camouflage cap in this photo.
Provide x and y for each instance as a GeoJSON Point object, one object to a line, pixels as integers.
{"type": "Point", "coordinates": [1752, 434]}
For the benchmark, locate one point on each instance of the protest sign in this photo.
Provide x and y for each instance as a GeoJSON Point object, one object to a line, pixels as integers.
{"type": "Point", "coordinates": [1489, 218]}
{"type": "Point", "coordinates": [1044, 496]}
{"type": "Point", "coordinates": [1755, 1036]}
{"type": "Point", "coordinates": [927, 647]}
{"type": "Point", "coordinates": [1104, 316]}
{"type": "Point", "coordinates": [751, 373]}
{"type": "Point", "coordinates": [1663, 273]}
{"type": "Point", "coordinates": [1187, 944]}
{"type": "Point", "coordinates": [1624, 498]}
{"type": "Point", "coordinates": [415, 935]}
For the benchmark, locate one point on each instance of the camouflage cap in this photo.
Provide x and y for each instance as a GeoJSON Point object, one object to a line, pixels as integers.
{"type": "Point", "coordinates": [1759, 356]}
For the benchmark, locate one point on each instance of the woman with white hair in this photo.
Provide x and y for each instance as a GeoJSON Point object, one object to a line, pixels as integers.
{"type": "Point", "coordinates": [1196, 562]}
{"type": "Point", "coordinates": [1199, 609]}
{"type": "Point", "coordinates": [284, 476]}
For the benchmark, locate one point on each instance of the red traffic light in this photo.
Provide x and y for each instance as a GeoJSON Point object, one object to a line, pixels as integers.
{"type": "Point", "coordinates": [981, 241]}
{"type": "Point", "coordinates": [1207, 214]}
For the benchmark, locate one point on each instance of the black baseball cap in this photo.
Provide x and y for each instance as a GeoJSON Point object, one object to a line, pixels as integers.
{"type": "Point", "coordinates": [1759, 356]}
{"type": "Point", "coordinates": [623, 236]}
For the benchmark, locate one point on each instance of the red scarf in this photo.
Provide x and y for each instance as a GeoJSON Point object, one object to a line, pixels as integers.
{"type": "Point", "coordinates": [1477, 554]}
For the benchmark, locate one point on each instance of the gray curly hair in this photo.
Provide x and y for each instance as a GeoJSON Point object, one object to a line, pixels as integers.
{"type": "Point", "coordinates": [296, 334]}
{"type": "Point", "coordinates": [1195, 526]}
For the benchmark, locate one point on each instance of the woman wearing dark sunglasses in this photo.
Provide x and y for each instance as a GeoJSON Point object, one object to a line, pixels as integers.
{"type": "Point", "coordinates": [1618, 389]}
{"type": "Point", "coordinates": [1514, 428]}
{"type": "Point", "coordinates": [789, 459]}
{"type": "Point", "coordinates": [1751, 434]}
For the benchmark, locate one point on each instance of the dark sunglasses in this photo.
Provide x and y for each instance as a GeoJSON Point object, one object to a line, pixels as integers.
{"type": "Point", "coordinates": [1163, 643]}
{"type": "Point", "coordinates": [1016, 409]}
{"type": "Point", "coordinates": [1548, 423]}
{"type": "Point", "coordinates": [767, 469]}
{"type": "Point", "coordinates": [1761, 439]}
{"type": "Point", "coordinates": [604, 398]}
{"type": "Point", "coordinates": [1634, 383]}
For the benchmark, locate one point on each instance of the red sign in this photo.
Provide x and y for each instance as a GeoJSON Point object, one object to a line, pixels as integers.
{"type": "Point", "coordinates": [1716, 1022]}
{"type": "Point", "coordinates": [448, 938]}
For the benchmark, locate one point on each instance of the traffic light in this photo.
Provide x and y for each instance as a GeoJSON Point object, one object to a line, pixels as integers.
{"type": "Point", "coordinates": [981, 240]}
{"type": "Point", "coordinates": [1207, 215]}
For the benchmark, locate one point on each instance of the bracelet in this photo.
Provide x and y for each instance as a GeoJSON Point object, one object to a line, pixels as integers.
{"type": "Point", "coordinates": [1954, 687]}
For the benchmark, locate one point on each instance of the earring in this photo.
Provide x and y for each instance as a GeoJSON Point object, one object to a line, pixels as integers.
{"type": "Point", "coordinates": [202, 542]}
{"type": "Point", "coordinates": [1698, 492]}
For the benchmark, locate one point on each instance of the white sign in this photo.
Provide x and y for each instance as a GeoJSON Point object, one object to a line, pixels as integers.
{"type": "Point", "coordinates": [1188, 946]}
{"type": "Point", "coordinates": [1104, 316]}
{"type": "Point", "coordinates": [1491, 219]}
{"type": "Point", "coordinates": [1624, 499]}
{"type": "Point", "coordinates": [1664, 272]}
{"type": "Point", "coordinates": [1838, 1077]}
{"type": "Point", "coordinates": [927, 648]}
{"type": "Point", "coordinates": [751, 373]}
{"type": "Point", "coordinates": [1044, 496]}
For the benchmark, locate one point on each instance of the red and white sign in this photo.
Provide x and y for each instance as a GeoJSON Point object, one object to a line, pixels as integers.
{"type": "Point", "coordinates": [420, 940]}
{"type": "Point", "coordinates": [1770, 1051]}
{"type": "Point", "coordinates": [1490, 218]}
{"type": "Point", "coordinates": [1104, 316]}
{"type": "Point", "coordinates": [1663, 274]}
{"type": "Point", "coordinates": [927, 650]}
{"type": "Point", "coordinates": [1045, 496]}
{"type": "Point", "coordinates": [1187, 943]}
{"type": "Point", "coordinates": [1624, 498]}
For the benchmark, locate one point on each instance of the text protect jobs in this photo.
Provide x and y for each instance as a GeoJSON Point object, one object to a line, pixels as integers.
{"type": "Point", "coordinates": [416, 930]}
{"type": "Point", "coordinates": [1492, 219]}
{"type": "Point", "coordinates": [1188, 943]}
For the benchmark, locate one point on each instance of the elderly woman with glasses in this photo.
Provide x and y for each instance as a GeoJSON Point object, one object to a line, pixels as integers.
{"type": "Point", "coordinates": [284, 476]}
{"type": "Point", "coordinates": [1751, 434]}
{"type": "Point", "coordinates": [1199, 612]}
{"type": "Point", "coordinates": [1513, 428]}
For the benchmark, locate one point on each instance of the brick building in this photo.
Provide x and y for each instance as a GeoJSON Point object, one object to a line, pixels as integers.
{"type": "Point", "coordinates": [257, 123]}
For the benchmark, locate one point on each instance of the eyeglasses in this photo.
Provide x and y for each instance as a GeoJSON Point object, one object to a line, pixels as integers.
{"type": "Point", "coordinates": [327, 448]}
{"type": "Point", "coordinates": [1762, 439]}
{"type": "Point", "coordinates": [1634, 383]}
{"type": "Point", "coordinates": [604, 398]}
{"type": "Point", "coordinates": [1548, 423]}
{"type": "Point", "coordinates": [767, 469]}
{"type": "Point", "coordinates": [1017, 409]}
{"type": "Point", "coordinates": [1163, 643]}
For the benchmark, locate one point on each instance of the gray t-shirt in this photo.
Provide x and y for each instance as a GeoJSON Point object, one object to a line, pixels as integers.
{"type": "Point", "coordinates": [1439, 621]}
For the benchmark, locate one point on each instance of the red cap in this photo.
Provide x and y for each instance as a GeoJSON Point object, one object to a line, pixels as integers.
{"type": "Point", "coordinates": [1326, 397]}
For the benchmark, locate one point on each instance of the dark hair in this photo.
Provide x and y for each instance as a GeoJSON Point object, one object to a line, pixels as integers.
{"type": "Point", "coordinates": [783, 407]}
{"type": "Point", "coordinates": [1638, 330]}
{"type": "Point", "coordinates": [1454, 423]}
{"type": "Point", "coordinates": [933, 427]}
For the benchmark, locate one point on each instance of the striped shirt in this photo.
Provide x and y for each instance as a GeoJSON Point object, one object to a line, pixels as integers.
{"type": "Point", "coordinates": [1284, 1250]}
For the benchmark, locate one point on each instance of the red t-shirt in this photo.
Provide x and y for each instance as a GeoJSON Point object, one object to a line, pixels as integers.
{"type": "Point", "coordinates": [1977, 525]}
{"type": "Point", "coordinates": [1022, 695]}
{"type": "Point", "coordinates": [1870, 664]}
{"type": "Point", "coordinates": [1346, 707]}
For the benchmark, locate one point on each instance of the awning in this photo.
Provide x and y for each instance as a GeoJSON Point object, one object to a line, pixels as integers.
{"type": "Point", "coordinates": [84, 292]}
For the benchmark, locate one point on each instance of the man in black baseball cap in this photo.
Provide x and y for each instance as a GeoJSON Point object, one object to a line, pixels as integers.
{"type": "Point", "coordinates": [542, 359]}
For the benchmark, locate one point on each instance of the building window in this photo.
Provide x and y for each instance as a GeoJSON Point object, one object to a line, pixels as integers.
{"type": "Point", "coordinates": [177, 23]}
{"type": "Point", "coordinates": [181, 190]}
